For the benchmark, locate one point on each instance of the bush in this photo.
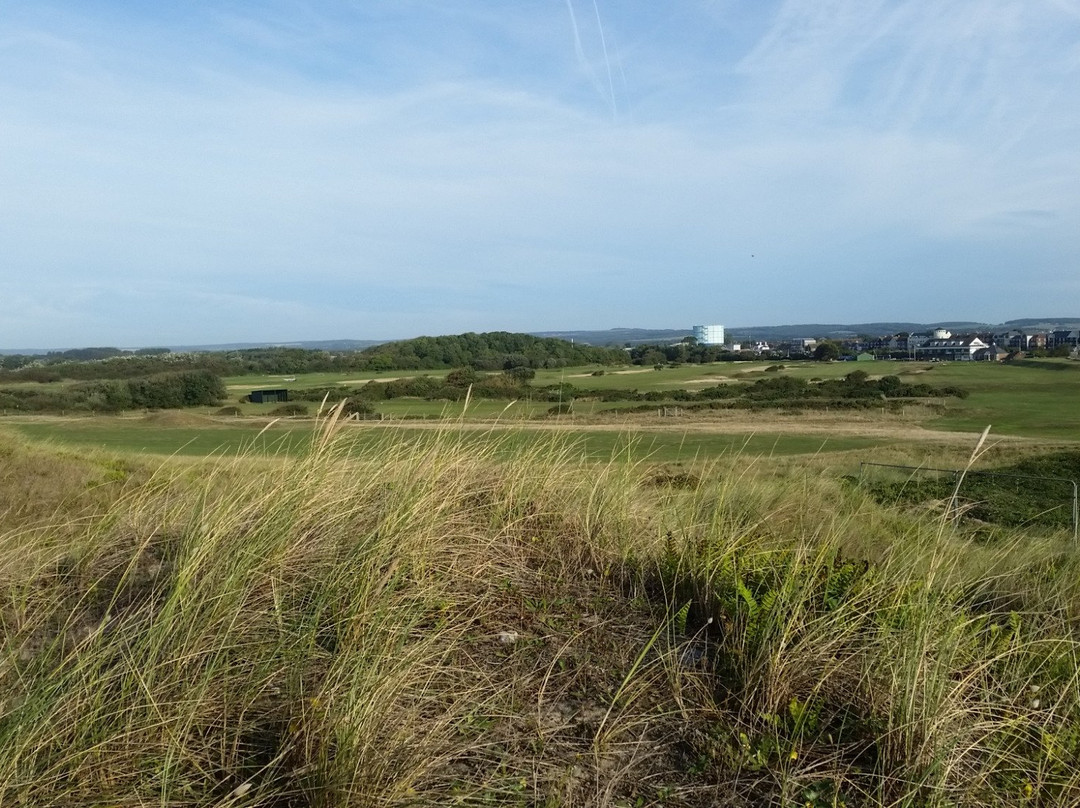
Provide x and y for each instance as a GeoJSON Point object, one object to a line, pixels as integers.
{"type": "Point", "coordinates": [357, 407]}
{"type": "Point", "coordinates": [290, 409]}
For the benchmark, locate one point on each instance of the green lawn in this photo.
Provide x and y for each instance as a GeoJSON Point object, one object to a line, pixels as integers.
{"type": "Point", "coordinates": [140, 437]}
{"type": "Point", "coordinates": [122, 436]}
{"type": "Point", "coordinates": [1035, 399]}
{"type": "Point", "coordinates": [1039, 398]}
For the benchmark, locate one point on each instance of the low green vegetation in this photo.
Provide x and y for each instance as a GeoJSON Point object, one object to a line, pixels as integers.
{"type": "Point", "coordinates": [1033, 491]}
{"type": "Point", "coordinates": [173, 390]}
{"type": "Point", "coordinates": [440, 619]}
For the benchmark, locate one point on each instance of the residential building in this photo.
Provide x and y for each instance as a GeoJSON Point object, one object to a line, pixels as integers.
{"type": "Point", "coordinates": [953, 348]}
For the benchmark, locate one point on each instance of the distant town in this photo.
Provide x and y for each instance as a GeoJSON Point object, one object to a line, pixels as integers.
{"type": "Point", "coordinates": [934, 344]}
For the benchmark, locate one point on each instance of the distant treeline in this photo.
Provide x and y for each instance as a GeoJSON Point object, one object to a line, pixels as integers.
{"type": "Point", "coordinates": [160, 391]}
{"type": "Point", "coordinates": [688, 352]}
{"type": "Point", "coordinates": [492, 351]}
{"type": "Point", "coordinates": [497, 350]}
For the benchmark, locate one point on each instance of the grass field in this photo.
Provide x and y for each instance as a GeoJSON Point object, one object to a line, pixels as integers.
{"type": "Point", "coordinates": [289, 437]}
{"type": "Point", "coordinates": [1032, 402]}
{"type": "Point", "coordinates": [1033, 399]}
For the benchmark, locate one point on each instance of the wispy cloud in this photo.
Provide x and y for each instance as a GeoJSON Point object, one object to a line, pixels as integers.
{"type": "Point", "coordinates": [466, 159]}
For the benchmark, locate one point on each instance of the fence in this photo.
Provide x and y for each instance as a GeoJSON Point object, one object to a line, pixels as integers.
{"type": "Point", "coordinates": [1014, 499]}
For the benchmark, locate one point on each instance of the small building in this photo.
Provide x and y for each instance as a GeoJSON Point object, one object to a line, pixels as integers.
{"type": "Point", "coordinates": [268, 396]}
{"type": "Point", "coordinates": [995, 353]}
{"type": "Point", "coordinates": [865, 357]}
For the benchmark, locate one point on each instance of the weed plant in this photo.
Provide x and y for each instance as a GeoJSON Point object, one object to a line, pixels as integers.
{"type": "Point", "coordinates": [437, 620]}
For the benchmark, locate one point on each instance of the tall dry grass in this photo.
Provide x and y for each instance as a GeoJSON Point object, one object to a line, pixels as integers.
{"type": "Point", "coordinates": [442, 620]}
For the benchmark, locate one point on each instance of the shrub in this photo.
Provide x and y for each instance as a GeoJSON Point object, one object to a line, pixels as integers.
{"type": "Point", "coordinates": [357, 407]}
{"type": "Point", "coordinates": [290, 409]}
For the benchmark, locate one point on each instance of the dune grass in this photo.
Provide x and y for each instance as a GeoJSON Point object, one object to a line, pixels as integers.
{"type": "Point", "coordinates": [437, 621]}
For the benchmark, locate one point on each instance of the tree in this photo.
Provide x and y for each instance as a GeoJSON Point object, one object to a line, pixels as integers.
{"type": "Point", "coordinates": [462, 377]}
{"type": "Point", "coordinates": [890, 385]}
{"type": "Point", "coordinates": [521, 374]}
{"type": "Point", "coordinates": [827, 351]}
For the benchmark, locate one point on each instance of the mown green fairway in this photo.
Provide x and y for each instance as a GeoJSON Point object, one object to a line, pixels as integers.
{"type": "Point", "coordinates": [141, 437]}
{"type": "Point", "coordinates": [124, 436]}
{"type": "Point", "coordinates": [1035, 398]}
{"type": "Point", "coordinates": [1031, 399]}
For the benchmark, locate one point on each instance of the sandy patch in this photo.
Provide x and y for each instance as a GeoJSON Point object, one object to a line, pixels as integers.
{"type": "Point", "coordinates": [270, 385]}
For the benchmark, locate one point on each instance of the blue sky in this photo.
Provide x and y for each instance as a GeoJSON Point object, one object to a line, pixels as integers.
{"type": "Point", "coordinates": [199, 172]}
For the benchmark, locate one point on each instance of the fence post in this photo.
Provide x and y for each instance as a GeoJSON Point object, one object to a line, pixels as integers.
{"type": "Point", "coordinates": [1076, 513]}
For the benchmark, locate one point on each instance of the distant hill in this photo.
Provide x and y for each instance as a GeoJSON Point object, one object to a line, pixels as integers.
{"type": "Point", "coordinates": [837, 330]}
{"type": "Point", "coordinates": [619, 337]}
{"type": "Point", "coordinates": [1045, 325]}
{"type": "Point", "coordinates": [309, 345]}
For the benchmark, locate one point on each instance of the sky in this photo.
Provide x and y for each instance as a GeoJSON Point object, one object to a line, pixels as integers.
{"type": "Point", "coordinates": [203, 172]}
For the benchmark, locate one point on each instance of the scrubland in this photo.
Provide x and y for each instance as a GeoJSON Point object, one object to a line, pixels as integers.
{"type": "Point", "coordinates": [428, 619]}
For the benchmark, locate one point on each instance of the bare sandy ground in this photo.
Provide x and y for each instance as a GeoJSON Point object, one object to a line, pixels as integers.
{"type": "Point", "coordinates": [885, 430]}
{"type": "Point", "coordinates": [347, 381]}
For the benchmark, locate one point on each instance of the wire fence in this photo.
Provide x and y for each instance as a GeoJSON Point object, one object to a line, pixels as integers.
{"type": "Point", "coordinates": [1007, 499]}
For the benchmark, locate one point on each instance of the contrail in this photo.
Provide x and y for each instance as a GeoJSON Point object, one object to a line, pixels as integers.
{"type": "Point", "coordinates": [607, 62]}
{"type": "Point", "coordinates": [577, 34]}
{"type": "Point", "coordinates": [580, 50]}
